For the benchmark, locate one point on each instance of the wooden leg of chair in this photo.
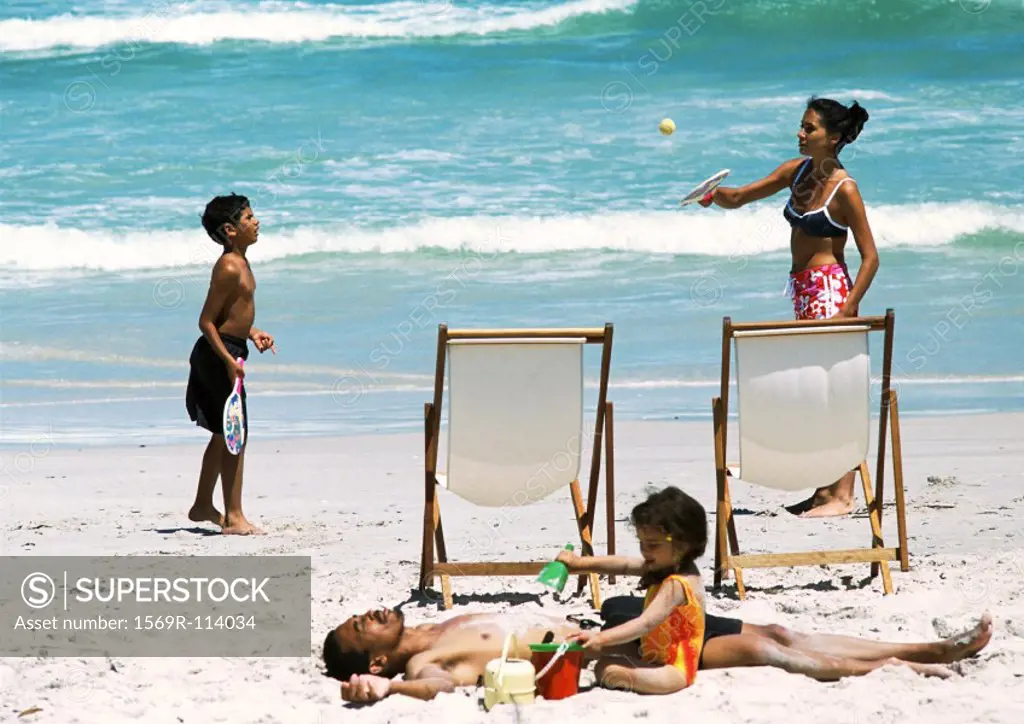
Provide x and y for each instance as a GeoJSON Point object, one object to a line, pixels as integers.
{"type": "Point", "coordinates": [609, 475]}
{"type": "Point", "coordinates": [426, 549]}
{"type": "Point", "coordinates": [876, 525]}
{"type": "Point", "coordinates": [581, 524]}
{"type": "Point", "coordinates": [883, 420]}
{"type": "Point", "coordinates": [874, 505]}
{"type": "Point", "coordinates": [429, 507]}
{"type": "Point", "coordinates": [442, 555]}
{"type": "Point", "coordinates": [446, 592]}
{"type": "Point", "coordinates": [731, 521]}
{"type": "Point", "coordinates": [721, 552]}
{"type": "Point", "coordinates": [719, 556]}
{"type": "Point", "coordinates": [586, 540]}
{"type": "Point", "coordinates": [430, 515]}
{"type": "Point", "coordinates": [734, 544]}
{"type": "Point", "coordinates": [897, 477]}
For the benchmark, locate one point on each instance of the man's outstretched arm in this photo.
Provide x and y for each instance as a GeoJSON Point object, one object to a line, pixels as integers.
{"type": "Point", "coordinates": [421, 682]}
{"type": "Point", "coordinates": [430, 681]}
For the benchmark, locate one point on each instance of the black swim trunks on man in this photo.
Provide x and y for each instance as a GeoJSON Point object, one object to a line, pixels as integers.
{"type": "Point", "coordinates": [209, 385]}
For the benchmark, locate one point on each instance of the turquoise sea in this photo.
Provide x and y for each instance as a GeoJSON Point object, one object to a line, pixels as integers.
{"type": "Point", "coordinates": [483, 164]}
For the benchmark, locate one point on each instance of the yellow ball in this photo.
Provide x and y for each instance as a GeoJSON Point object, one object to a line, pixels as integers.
{"type": "Point", "coordinates": [667, 126]}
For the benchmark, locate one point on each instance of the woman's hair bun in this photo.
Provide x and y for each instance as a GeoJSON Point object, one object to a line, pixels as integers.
{"type": "Point", "coordinates": [857, 117]}
{"type": "Point", "coordinates": [847, 122]}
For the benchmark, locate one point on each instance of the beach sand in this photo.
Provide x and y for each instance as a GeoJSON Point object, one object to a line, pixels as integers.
{"type": "Point", "coordinates": [354, 505]}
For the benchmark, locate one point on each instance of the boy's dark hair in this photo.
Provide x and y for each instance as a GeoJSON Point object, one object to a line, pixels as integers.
{"type": "Point", "coordinates": [847, 122]}
{"type": "Point", "coordinates": [223, 210]}
{"type": "Point", "coordinates": [681, 517]}
{"type": "Point", "coordinates": [341, 664]}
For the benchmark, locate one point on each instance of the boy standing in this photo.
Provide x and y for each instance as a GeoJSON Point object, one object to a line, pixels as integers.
{"type": "Point", "coordinates": [226, 325]}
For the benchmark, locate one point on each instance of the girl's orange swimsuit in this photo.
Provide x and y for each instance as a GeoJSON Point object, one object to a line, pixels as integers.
{"type": "Point", "coordinates": [677, 641]}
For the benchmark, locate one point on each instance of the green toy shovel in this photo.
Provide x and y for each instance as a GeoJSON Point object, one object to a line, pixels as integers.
{"type": "Point", "coordinates": [555, 574]}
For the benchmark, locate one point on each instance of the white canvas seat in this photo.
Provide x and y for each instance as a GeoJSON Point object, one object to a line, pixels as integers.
{"type": "Point", "coordinates": [804, 404]}
{"type": "Point", "coordinates": [515, 435]}
{"type": "Point", "coordinates": [515, 410]}
{"type": "Point", "coordinates": [804, 414]}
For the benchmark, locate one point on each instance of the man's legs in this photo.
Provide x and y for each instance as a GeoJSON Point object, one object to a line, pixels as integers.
{"type": "Point", "coordinates": [946, 651]}
{"type": "Point", "coordinates": [235, 522]}
{"type": "Point", "coordinates": [747, 649]}
{"type": "Point", "coordinates": [203, 508]}
{"type": "Point", "coordinates": [826, 657]}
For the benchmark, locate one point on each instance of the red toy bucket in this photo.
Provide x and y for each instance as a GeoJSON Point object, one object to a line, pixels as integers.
{"type": "Point", "coordinates": [563, 678]}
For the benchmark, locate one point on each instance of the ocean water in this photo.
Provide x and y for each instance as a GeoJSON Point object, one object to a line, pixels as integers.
{"type": "Point", "coordinates": [483, 164]}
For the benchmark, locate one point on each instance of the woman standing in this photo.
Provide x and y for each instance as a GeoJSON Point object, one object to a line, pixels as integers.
{"type": "Point", "coordinates": [823, 207]}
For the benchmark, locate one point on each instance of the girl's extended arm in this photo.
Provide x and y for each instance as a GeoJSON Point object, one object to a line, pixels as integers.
{"type": "Point", "coordinates": [733, 198]}
{"type": "Point", "coordinates": [601, 564]}
{"type": "Point", "coordinates": [668, 598]}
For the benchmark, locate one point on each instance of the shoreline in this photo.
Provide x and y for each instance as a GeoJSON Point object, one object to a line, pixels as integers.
{"type": "Point", "coordinates": [43, 440]}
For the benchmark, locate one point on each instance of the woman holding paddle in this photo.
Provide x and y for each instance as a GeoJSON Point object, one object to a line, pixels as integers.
{"type": "Point", "coordinates": [823, 207]}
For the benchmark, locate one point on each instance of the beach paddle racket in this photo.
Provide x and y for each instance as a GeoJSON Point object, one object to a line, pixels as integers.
{"type": "Point", "coordinates": [708, 184]}
{"type": "Point", "coordinates": [234, 418]}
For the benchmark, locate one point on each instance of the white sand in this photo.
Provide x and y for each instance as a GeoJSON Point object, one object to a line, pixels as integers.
{"type": "Point", "coordinates": [355, 506]}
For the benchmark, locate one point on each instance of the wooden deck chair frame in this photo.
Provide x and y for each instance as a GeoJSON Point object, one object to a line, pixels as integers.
{"type": "Point", "coordinates": [434, 559]}
{"type": "Point", "coordinates": [727, 553]}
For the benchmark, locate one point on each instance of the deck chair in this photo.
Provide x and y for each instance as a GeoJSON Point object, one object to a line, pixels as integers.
{"type": "Point", "coordinates": [804, 390]}
{"type": "Point", "coordinates": [515, 436]}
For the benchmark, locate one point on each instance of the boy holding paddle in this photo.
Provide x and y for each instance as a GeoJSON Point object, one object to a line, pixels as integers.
{"type": "Point", "coordinates": [226, 325]}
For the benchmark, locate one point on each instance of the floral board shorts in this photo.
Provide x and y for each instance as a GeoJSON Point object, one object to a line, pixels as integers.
{"type": "Point", "coordinates": [819, 292]}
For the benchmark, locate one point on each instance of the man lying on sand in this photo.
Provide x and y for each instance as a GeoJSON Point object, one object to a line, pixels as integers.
{"type": "Point", "coordinates": [367, 650]}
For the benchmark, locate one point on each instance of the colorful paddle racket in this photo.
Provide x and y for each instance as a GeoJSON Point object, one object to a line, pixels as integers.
{"type": "Point", "coordinates": [709, 184]}
{"type": "Point", "coordinates": [234, 418]}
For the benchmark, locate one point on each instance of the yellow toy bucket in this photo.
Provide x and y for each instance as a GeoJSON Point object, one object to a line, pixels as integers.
{"type": "Point", "coordinates": [508, 681]}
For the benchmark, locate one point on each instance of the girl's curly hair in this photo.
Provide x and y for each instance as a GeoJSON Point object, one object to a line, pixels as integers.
{"type": "Point", "coordinates": [681, 517]}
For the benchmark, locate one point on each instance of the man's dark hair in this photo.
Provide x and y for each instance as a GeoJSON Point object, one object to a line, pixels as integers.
{"type": "Point", "coordinates": [341, 663]}
{"type": "Point", "coordinates": [223, 210]}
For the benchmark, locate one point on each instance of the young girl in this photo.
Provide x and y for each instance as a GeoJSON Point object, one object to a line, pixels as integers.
{"type": "Point", "coordinates": [672, 530]}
